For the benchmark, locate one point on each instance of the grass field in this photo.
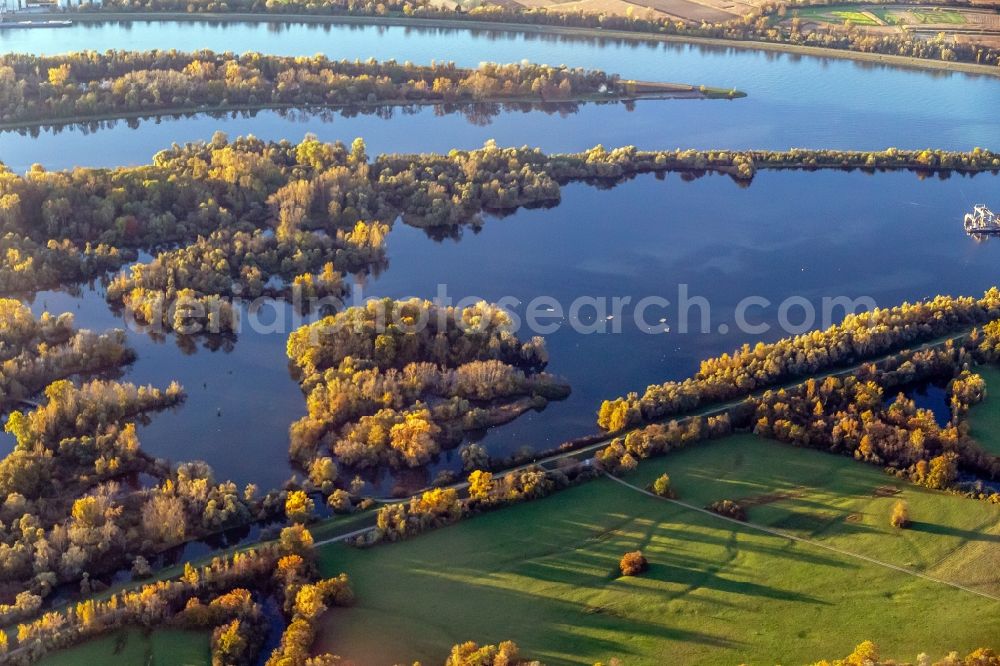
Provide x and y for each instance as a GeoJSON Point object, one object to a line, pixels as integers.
{"type": "Point", "coordinates": [840, 502]}
{"type": "Point", "coordinates": [133, 647]}
{"type": "Point", "coordinates": [863, 15]}
{"type": "Point", "coordinates": [984, 418]}
{"type": "Point", "coordinates": [914, 16]}
{"type": "Point", "coordinates": [857, 18]}
{"type": "Point", "coordinates": [545, 573]}
{"type": "Point", "coordinates": [834, 15]}
{"type": "Point", "coordinates": [949, 16]}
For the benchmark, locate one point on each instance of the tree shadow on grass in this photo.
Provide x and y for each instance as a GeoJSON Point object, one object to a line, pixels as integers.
{"type": "Point", "coordinates": [678, 531]}
{"type": "Point", "coordinates": [814, 524]}
{"type": "Point", "coordinates": [595, 565]}
{"type": "Point", "coordinates": [472, 591]}
{"type": "Point", "coordinates": [709, 579]}
{"type": "Point", "coordinates": [700, 574]}
{"type": "Point", "coordinates": [945, 530]}
{"type": "Point", "coordinates": [757, 546]}
{"type": "Point", "coordinates": [810, 470]}
{"type": "Point", "coordinates": [583, 621]}
{"type": "Point", "coordinates": [546, 626]}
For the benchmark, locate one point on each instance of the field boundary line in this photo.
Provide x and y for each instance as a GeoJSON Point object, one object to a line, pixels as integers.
{"type": "Point", "coordinates": [793, 537]}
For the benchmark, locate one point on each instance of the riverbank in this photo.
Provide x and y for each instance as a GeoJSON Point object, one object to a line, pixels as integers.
{"type": "Point", "coordinates": [646, 91]}
{"type": "Point", "coordinates": [586, 33]}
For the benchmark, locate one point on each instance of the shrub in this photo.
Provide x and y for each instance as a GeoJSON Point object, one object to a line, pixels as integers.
{"type": "Point", "coordinates": [662, 487]}
{"type": "Point", "coordinates": [633, 563]}
{"type": "Point", "coordinates": [729, 509]}
{"type": "Point", "coordinates": [141, 568]}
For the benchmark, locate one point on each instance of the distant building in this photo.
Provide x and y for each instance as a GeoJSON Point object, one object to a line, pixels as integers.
{"type": "Point", "coordinates": [11, 5]}
{"type": "Point", "coordinates": [66, 4]}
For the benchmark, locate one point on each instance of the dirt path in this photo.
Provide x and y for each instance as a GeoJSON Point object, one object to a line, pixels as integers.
{"type": "Point", "coordinates": [792, 537]}
{"type": "Point", "coordinates": [343, 537]}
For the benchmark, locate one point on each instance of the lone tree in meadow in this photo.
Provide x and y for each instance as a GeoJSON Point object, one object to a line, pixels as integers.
{"type": "Point", "coordinates": [663, 488]}
{"type": "Point", "coordinates": [633, 563]}
{"type": "Point", "coordinates": [900, 515]}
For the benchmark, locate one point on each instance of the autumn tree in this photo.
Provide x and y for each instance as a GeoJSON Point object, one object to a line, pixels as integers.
{"type": "Point", "coordinates": [633, 563]}
{"type": "Point", "coordinates": [662, 487]}
{"type": "Point", "coordinates": [900, 515]}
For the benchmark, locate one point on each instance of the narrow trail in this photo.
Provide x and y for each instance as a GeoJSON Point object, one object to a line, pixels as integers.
{"type": "Point", "coordinates": [343, 537]}
{"type": "Point", "coordinates": [792, 537]}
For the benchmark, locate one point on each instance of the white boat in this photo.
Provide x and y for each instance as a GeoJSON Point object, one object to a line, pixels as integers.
{"type": "Point", "coordinates": [982, 221]}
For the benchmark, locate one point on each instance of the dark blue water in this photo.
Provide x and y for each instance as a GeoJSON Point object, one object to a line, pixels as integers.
{"type": "Point", "coordinates": [276, 624]}
{"type": "Point", "coordinates": [925, 396]}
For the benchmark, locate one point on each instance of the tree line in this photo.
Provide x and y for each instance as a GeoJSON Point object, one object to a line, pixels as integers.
{"type": "Point", "coordinates": [221, 596]}
{"type": "Point", "coordinates": [869, 654]}
{"type": "Point", "coordinates": [857, 338]}
{"type": "Point", "coordinates": [485, 492]}
{"type": "Point", "coordinates": [41, 89]}
{"type": "Point", "coordinates": [864, 414]}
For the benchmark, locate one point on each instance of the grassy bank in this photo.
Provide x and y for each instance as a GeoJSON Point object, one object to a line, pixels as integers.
{"type": "Point", "coordinates": [463, 24]}
{"type": "Point", "coordinates": [545, 573]}
{"type": "Point", "coordinates": [135, 647]}
{"type": "Point", "coordinates": [984, 418]}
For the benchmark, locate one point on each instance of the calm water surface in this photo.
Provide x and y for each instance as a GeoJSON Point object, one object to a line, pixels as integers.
{"type": "Point", "coordinates": [793, 100]}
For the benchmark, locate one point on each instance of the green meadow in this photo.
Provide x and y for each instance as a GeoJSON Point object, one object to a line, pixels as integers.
{"type": "Point", "coordinates": [545, 573]}
{"type": "Point", "coordinates": [163, 647]}
{"type": "Point", "coordinates": [835, 15]}
{"type": "Point", "coordinates": [939, 16]}
{"type": "Point", "coordinates": [984, 418]}
{"type": "Point", "coordinates": [857, 18]}
{"type": "Point", "coordinates": [891, 14]}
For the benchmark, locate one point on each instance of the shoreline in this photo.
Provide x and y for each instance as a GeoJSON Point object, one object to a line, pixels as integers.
{"type": "Point", "coordinates": [904, 62]}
